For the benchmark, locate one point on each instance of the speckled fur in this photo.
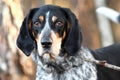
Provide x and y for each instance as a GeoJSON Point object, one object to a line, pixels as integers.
{"type": "Point", "coordinates": [83, 70]}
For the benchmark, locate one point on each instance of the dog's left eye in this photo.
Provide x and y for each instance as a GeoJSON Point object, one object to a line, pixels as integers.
{"type": "Point", "coordinates": [37, 24]}
{"type": "Point", "coordinates": [59, 24]}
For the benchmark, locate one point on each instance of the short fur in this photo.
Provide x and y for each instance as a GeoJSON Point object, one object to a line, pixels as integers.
{"type": "Point", "coordinates": [53, 36]}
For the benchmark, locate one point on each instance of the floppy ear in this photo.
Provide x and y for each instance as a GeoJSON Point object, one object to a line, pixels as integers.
{"type": "Point", "coordinates": [74, 36]}
{"type": "Point", "coordinates": [24, 40]}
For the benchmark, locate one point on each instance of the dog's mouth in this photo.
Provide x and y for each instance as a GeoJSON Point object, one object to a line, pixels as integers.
{"type": "Point", "coordinates": [52, 62]}
{"type": "Point", "coordinates": [48, 57]}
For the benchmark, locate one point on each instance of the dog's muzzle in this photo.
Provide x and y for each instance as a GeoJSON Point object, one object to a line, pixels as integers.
{"type": "Point", "coordinates": [46, 43]}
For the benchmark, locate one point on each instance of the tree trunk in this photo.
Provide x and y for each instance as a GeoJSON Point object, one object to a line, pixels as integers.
{"type": "Point", "coordinates": [85, 11]}
{"type": "Point", "coordinates": [115, 4]}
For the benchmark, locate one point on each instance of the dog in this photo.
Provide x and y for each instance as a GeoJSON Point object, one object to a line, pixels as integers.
{"type": "Point", "coordinates": [53, 36]}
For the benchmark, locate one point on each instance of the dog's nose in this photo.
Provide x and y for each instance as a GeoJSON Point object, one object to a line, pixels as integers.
{"type": "Point", "coordinates": [46, 43]}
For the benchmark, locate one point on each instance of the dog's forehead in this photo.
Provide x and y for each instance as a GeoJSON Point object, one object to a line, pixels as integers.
{"type": "Point", "coordinates": [53, 11]}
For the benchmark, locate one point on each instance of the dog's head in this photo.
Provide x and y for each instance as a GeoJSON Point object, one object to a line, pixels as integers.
{"type": "Point", "coordinates": [51, 31]}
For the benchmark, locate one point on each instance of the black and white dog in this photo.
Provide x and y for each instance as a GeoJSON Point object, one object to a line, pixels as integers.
{"type": "Point", "coordinates": [53, 36]}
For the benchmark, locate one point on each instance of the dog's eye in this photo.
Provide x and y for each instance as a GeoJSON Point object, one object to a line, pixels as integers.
{"type": "Point", "coordinates": [37, 24]}
{"type": "Point", "coordinates": [59, 24]}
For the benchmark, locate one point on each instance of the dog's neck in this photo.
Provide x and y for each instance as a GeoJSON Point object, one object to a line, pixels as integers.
{"type": "Point", "coordinates": [76, 69]}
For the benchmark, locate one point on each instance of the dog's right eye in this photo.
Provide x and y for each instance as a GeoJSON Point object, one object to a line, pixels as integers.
{"type": "Point", "coordinates": [37, 24]}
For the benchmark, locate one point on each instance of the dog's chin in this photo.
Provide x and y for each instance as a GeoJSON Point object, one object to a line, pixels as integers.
{"type": "Point", "coordinates": [51, 62]}
{"type": "Point", "coordinates": [47, 57]}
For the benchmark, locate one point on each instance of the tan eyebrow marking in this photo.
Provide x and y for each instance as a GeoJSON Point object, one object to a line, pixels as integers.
{"type": "Point", "coordinates": [41, 18]}
{"type": "Point", "coordinates": [54, 18]}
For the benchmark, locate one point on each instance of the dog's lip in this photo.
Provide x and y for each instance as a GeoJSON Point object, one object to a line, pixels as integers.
{"type": "Point", "coordinates": [46, 51]}
{"type": "Point", "coordinates": [50, 54]}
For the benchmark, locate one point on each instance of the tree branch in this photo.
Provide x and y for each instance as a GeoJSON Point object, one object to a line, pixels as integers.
{"type": "Point", "coordinates": [103, 63]}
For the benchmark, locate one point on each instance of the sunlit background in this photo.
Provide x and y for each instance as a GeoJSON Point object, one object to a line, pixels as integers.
{"type": "Point", "coordinates": [14, 65]}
